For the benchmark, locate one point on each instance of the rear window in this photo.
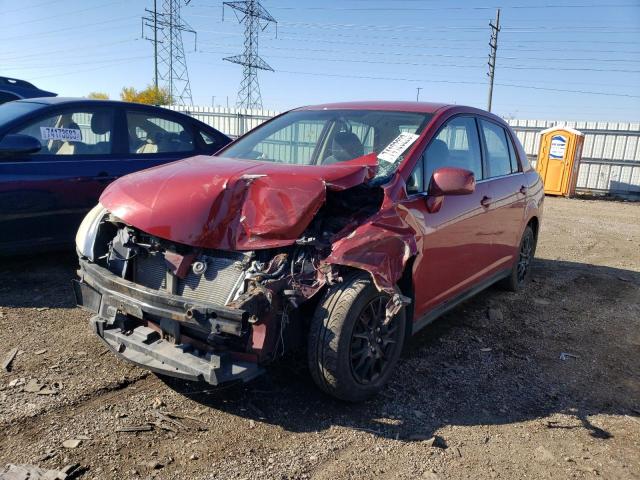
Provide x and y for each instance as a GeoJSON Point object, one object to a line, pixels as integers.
{"type": "Point", "coordinates": [12, 110]}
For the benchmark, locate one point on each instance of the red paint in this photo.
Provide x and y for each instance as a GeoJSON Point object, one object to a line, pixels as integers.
{"type": "Point", "coordinates": [454, 240]}
{"type": "Point", "coordinates": [216, 202]}
{"type": "Point", "coordinates": [452, 181]}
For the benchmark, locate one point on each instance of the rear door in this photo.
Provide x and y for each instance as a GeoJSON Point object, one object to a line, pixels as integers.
{"type": "Point", "coordinates": [44, 196]}
{"type": "Point", "coordinates": [506, 190]}
{"type": "Point", "coordinates": [452, 243]}
{"type": "Point", "coordinates": [155, 137]}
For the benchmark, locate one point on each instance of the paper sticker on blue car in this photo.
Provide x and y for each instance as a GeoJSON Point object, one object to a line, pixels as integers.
{"type": "Point", "coordinates": [65, 134]}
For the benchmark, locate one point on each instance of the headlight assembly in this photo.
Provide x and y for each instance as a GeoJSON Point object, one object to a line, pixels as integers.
{"type": "Point", "coordinates": [86, 236]}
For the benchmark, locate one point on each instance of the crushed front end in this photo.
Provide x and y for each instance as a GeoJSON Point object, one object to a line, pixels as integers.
{"type": "Point", "coordinates": [206, 314]}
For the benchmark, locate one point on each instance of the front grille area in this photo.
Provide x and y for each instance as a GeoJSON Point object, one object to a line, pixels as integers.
{"type": "Point", "coordinates": [215, 285]}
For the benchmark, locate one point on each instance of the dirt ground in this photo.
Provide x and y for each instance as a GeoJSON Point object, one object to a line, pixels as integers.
{"type": "Point", "coordinates": [487, 379]}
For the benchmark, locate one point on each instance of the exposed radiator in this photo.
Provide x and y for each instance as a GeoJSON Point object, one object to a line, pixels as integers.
{"type": "Point", "coordinates": [215, 285]}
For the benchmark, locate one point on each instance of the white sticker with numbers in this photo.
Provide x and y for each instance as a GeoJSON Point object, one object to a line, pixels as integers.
{"type": "Point", "coordinates": [65, 134]}
{"type": "Point", "coordinates": [397, 147]}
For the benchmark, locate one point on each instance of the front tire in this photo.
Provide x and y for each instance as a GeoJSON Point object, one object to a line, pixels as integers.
{"type": "Point", "coordinates": [521, 267]}
{"type": "Point", "coordinates": [351, 352]}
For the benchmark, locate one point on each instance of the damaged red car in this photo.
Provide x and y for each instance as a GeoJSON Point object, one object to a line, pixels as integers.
{"type": "Point", "coordinates": [338, 230]}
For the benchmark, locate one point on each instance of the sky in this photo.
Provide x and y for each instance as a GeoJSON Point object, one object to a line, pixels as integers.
{"type": "Point", "coordinates": [557, 59]}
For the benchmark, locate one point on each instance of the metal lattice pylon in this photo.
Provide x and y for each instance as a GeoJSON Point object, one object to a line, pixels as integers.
{"type": "Point", "coordinates": [171, 63]}
{"type": "Point", "coordinates": [255, 18]}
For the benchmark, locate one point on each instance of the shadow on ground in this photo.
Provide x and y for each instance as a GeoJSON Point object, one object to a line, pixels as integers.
{"type": "Point", "coordinates": [38, 281]}
{"type": "Point", "coordinates": [466, 369]}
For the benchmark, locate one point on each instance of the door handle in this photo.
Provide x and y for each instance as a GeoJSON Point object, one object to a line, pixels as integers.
{"type": "Point", "coordinates": [523, 189]}
{"type": "Point", "coordinates": [486, 201]}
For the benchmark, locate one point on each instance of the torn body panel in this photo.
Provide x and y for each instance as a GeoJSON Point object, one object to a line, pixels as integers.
{"type": "Point", "coordinates": [230, 204]}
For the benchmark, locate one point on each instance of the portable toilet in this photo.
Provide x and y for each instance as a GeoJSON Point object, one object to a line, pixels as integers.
{"type": "Point", "coordinates": [559, 159]}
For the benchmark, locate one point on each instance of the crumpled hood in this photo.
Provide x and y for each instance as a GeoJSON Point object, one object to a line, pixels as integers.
{"type": "Point", "coordinates": [230, 204]}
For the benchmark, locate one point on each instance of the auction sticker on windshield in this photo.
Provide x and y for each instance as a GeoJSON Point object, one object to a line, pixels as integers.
{"type": "Point", "coordinates": [397, 147]}
{"type": "Point", "coordinates": [66, 134]}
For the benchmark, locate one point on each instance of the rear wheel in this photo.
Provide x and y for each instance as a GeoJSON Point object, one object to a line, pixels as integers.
{"type": "Point", "coordinates": [352, 353]}
{"type": "Point", "coordinates": [522, 265]}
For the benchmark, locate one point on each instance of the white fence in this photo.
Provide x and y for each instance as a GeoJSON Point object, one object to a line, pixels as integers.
{"type": "Point", "coordinates": [610, 157]}
{"type": "Point", "coordinates": [231, 121]}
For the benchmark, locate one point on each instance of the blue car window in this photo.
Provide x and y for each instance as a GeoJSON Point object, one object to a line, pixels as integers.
{"type": "Point", "coordinates": [150, 133]}
{"type": "Point", "coordinates": [73, 132]}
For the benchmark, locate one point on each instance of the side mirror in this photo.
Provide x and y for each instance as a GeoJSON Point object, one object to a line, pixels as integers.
{"type": "Point", "coordinates": [451, 181]}
{"type": "Point", "coordinates": [18, 144]}
{"type": "Point", "coordinates": [448, 181]}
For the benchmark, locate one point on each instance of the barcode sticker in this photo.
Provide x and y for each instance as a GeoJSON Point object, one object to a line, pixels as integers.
{"type": "Point", "coordinates": [66, 134]}
{"type": "Point", "coordinates": [397, 147]}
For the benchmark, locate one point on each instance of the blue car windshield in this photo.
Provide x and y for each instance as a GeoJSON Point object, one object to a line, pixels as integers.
{"type": "Point", "coordinates": [11, 110]}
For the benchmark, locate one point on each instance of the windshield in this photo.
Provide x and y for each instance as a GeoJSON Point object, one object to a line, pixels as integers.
{"type": "Point", "coordinates": [11, 110]}
{"type": "Point", "coordinates": [324, 137]}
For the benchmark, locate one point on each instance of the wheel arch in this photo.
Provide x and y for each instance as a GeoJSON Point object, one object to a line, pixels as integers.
{"type": "Point", "coordinates": [534, 223]}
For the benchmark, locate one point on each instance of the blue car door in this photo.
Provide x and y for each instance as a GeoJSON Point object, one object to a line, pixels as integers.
{"type": "Point", "coordinates": [43, 196]}
{"type": "Point", "coordinates": [155, 136]}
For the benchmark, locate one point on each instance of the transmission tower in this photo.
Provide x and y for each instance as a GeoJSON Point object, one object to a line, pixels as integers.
{"type": "Point", "coordinates": [255, 18]}
{"type": "Point", "coordinates": [170, 63]}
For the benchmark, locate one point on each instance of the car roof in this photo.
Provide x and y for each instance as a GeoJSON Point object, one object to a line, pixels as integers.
{"type": "Point", "coordinates": [70, 100]}
{"type": "Point", "coordinates": [56, 101]}
{"type": "Point", "coordinates": [418, 107]}
{"type": "Point", "coordinates": [22, 88]}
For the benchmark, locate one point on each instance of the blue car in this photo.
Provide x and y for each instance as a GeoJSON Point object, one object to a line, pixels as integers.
{"type": "Point", "coordinates": [14, 89]}
{"type": "Point", "coordinates": [58, 154]}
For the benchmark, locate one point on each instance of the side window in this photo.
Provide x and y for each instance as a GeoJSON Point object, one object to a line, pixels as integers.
{"type": "Point", "coordinates": [211, 141]}
{"type": "Point", "coordinates": [415, 183]}
{"type": "Point", "coordinates": [73, 132]}
{"type": "Point", "coordinates": [512, 154]}
{"type": "Point", "coordinates": [456, 145]}
{"type": "Point", "coordinates": [498, 158]}
{"type": "Point", "coordinates": [150, 133]}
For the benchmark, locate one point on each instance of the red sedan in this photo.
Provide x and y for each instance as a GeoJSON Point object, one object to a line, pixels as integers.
{"type": "Point", "coordinates": [339, 229]}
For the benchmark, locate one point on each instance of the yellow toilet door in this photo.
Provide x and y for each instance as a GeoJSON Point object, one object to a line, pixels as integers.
{"type": "Point", "coordinates": [556, 163]}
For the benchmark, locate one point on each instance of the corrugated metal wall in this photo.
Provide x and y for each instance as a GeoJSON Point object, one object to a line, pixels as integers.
{"type": "Point", "coordinates": [231, 121]}
{"type": "Point", "coordinates": [610, 157]}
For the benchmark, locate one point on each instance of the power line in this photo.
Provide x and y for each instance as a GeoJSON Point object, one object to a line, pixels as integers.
{"type": "Point", "coordinates": [74, 72]}
{"type": "Point", "coordinates": [368, 77]}
{"type": "Point", "coordinates": [49, 17]}
{"type": "Point", "coordinates": [450, 65]}
{"type": "Point", "coordinates": [74, 28]}
{"type": "Point", "coordinates": [431, 9]}
{"type": "Point", "coordinates": [438, 55]}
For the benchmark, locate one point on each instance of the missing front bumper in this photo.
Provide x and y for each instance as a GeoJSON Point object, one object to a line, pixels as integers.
{"type": "Point", "coordinates": [113, 300]}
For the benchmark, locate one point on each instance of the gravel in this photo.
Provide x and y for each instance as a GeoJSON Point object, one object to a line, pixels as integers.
{"type": "Point", "coordinates": [481, 393]}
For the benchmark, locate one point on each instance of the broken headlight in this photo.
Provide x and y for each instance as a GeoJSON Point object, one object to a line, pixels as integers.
{"type": "Point", "coordinates": [86, 236]}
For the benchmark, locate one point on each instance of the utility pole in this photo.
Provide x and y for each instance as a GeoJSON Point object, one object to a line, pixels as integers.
{"type": "Point", "coordinates": [170, 64]}
{"type": "Point", "coordinates": [151, 21]}
{"type": "Point", "coordinates": [255, 18]}
{"type": "Point", "coordinates": [418, 93]}
{"type": "Point", "coordinates": [493, 43]}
